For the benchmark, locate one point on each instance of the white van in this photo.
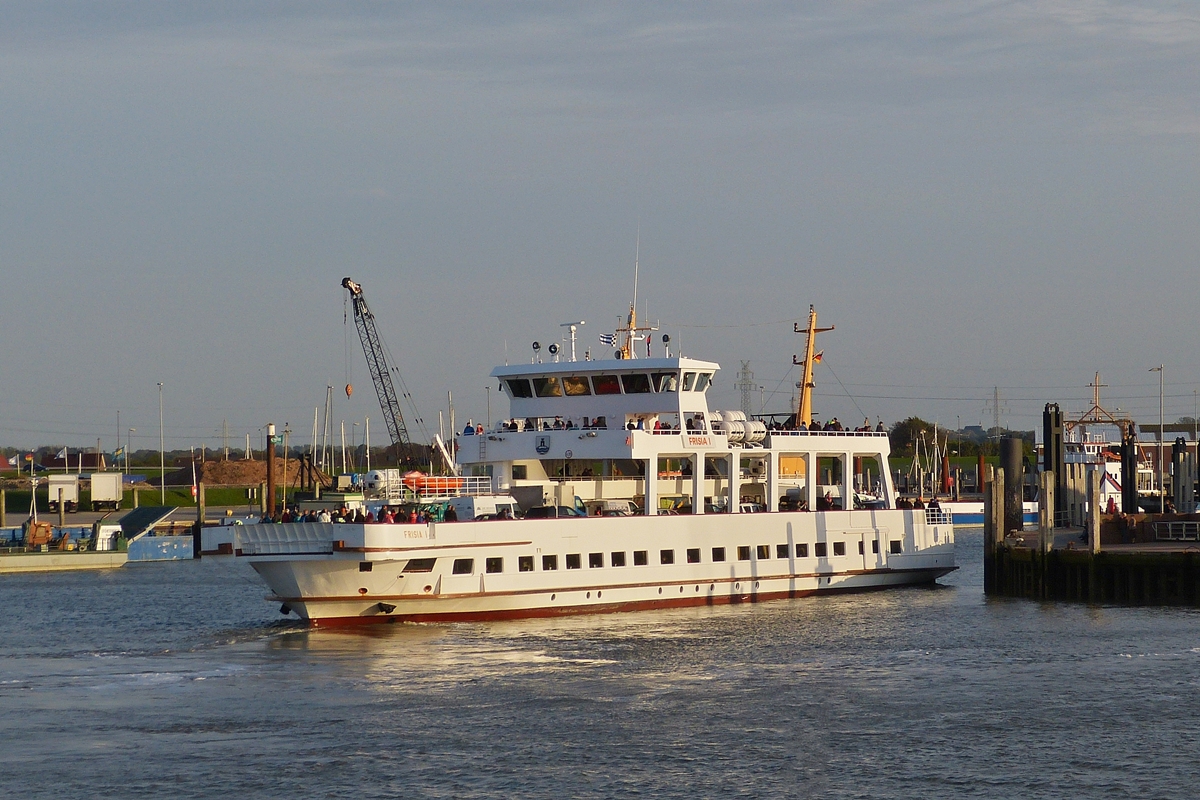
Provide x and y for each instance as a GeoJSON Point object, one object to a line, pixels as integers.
{"type": "Point", "coordinates": [610, 508]}
{"type": "Point", "coordinates": [484, 505]}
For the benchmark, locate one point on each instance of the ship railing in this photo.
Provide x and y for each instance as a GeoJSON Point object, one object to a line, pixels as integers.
{"type": "Point", "coordinates": [938, 516]}
{"type": "Point", "coordinates": [1177, 531]}
{"type": "Point", "coordinates": [438, 487]}
{"type": "Point", "coordinates": [824, 433]}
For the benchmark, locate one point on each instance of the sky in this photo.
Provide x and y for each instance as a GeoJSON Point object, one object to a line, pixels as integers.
{"type": "Point", "coordinates": [978, 195]}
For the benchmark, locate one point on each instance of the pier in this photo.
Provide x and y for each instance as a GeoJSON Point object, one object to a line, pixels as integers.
{"type": "Point", "coordinates": [1127, 559]}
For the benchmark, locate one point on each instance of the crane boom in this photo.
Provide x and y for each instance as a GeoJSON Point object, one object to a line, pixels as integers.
{"type": "Point", "coordinates": [381, 374]}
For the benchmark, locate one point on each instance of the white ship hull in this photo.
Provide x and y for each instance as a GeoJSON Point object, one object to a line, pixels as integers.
{"type": "Point", "coordinates": [341, 573]}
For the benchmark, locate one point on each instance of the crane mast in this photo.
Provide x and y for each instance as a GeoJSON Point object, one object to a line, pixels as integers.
{"type": "Point", "coordinates": [380, 370]}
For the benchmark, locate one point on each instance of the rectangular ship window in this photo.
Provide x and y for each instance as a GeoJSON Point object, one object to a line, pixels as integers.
{"type": "Point", "coordinates": [665, 381]}
{"type": "Point", "coordinates": [894, 547]}
{"type": "Point", "coordinates": [520, 471]}
{"type": "Point", "coordinates": [781, 550]}
{"type": "Point", "coordinates": [839, 548]}
{"type": "Point", "coordinates": [573, 561]}
{"type": "Point", "coordinates": [494, 565]}
{"type": "Point", "coordinates": [576, 385]}
{"type": "Point", "coordinates": [718, 554]}
{"type": "Point", "coordinates": [547, 387]}
{"type": "Point", "coordinates": [666, 556]}
{"type": "Point", "coordinates": [874, 545]}
{"type": "Point", "coordinates": [463, 566]}
{"type": "Point", "coordinates": [419, 565]}
{"type": "Point", "coordinates": [764, 552]}
{"type": "Point", "coordinates": [693, 555]}
{"type": "Point", "coordinates": [639, 558]}
{"type": "Point", "coordinates": [606, 384]}
{"type": "Point", "coordinates": [519, 387]}
{"type": "Point", "coordinates": [802, 550]}
{"type": "Point", "coordinates": [819, 550]}
{"type": "Point", "coordinates": [636, 383]}
{"type": "Point", "coordinates": [364, 566]}
{"type": "Point", "coordinates": [549, 562]}
{"type": "Point", "coordinates": [595, 560]}
{"type": "Point", "coordinates": [860, 547]}
{"type": "Point", "coordinates": [617, 559]}
{"type": "Point", "coordinates": [743, 552]}
{"type": "Point", "coordinates": [524, 563]}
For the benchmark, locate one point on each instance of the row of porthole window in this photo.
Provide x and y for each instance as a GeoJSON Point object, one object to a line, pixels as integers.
{"type": "Point", "coordinates": [762, 552]}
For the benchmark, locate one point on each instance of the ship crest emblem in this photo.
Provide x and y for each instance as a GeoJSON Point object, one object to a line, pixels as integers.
{"type": "Point", "coordinates": [543, 445]}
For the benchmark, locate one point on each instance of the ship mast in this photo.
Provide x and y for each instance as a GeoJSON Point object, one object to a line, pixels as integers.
{"type": "Point", "coordinates": [804, 400]}
{"type": "Point", "coordinates": [631, 328]}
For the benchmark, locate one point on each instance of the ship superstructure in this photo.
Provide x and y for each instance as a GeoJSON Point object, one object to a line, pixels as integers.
{"type": "Point", "coordinates": [731, 510]}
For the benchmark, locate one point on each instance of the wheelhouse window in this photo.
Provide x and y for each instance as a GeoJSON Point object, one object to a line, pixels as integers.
{"type": "Point", "coordinates": [463, 566]}
{"type": "Point", "coordinates": [519, 387]}
{"type": "Point", "coordinates": [703, 381]}
{"type": "Point", "coordinates": [665, 381]}
{"type": "Point", "coordinates": [636, 383]}
{"type": "Point", "coordinates": [576, 385]}
{"type": "Point", "coordinates": [689, 380]}
{"type": "Point", "coordinates": [547, 387]}
{"type": "Point", "coordinates": [606, 384]}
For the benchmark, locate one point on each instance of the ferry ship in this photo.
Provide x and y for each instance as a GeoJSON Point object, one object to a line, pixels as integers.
{"type": "Point", "coordinates": [728, 510]}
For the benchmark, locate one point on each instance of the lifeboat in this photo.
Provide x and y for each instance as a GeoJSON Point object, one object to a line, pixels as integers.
{"type": "Point", "coordinates": [421, 483]}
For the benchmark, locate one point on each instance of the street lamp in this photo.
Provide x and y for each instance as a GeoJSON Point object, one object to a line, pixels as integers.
{"type": "Point", "coordinates": [1161, 489]}
{"type": "Point", "coordinates": [162, 453]}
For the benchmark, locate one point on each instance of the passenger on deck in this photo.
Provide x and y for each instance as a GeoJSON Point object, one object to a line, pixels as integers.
{"type": "Point", "coordinates": [469, 430]}
{"type": "Point", "coordinates": [903, 502]}
{"type": "Point", "coordinates": [814, 425]}
{"type": "Point", "coordinates": [918, 503]}
{"type": "Point", "coordinates": [837, 426]}
{"type": "Point", "coordinates": [451, 515]}
{"type": "Point", "coordinates": [934, 504]}
{"type": "Point", "coordinates": [479, 429]}
{"type": "Point", "coordinates": [630, 425]}
{"type": "Point", "coordinates": [879, 428]}
{"type": "Point", "coordinates": [530, 424]}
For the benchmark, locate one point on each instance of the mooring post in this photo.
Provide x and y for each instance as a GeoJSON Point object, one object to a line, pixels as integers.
{"type": "Point", "coordinates": [135, 497]}
{"type": "Point", "coordinates": [3, 509]}
{"type": "Point", "coordinates": [1094, 511]}
{"type": "Point", "coordinates": [1011, 452]}
{"type": "Point", "coordinates": [62, 510]}
{"type": "Point", "coordinates": [993, 531]}
{"type": "Point", "coordinates": [198, 529]}
{"type": "Point", "coordinates": [1046, 512]}
{"type": "Point", "coordinates": [262, 498]}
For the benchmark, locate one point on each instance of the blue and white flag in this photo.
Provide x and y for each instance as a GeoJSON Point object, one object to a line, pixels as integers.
{"type": "Point", "coordinates": [62, 454]}
{"type": "Point", "coordinates": [609, 339]}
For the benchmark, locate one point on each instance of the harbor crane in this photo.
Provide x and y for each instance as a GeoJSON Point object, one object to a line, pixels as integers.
{"type": "Point", "coordinates": [381, 372]}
